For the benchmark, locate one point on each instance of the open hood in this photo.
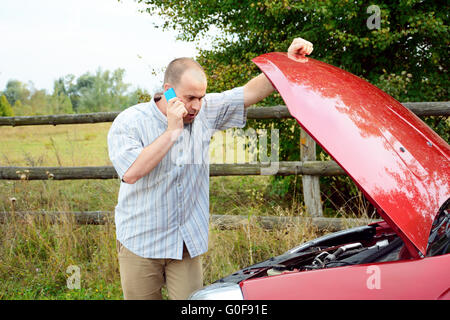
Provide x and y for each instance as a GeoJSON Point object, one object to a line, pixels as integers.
{"type": "Point", "coordinates": [401, 165]}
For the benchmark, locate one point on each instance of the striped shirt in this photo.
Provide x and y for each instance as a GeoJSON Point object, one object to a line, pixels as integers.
{"type": "Point", "coordinates": [169, 205]}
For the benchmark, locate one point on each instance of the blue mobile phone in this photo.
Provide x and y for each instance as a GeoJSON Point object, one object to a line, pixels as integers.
{"type": "Point", "coordinates": [170, 94]}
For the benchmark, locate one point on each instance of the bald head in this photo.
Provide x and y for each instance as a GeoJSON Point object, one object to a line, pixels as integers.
{"type": "Point", "coordinates": [188, 78]}
{"type": "Point", "coordinates": [179, 66]}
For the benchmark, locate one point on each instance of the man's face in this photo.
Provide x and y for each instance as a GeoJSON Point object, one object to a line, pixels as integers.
{"type": "Point", "coordinates": [191, 90]}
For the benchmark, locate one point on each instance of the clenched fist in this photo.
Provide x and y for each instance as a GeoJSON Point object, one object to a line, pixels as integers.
{"type": "Point", "coordinates": [300, 46]}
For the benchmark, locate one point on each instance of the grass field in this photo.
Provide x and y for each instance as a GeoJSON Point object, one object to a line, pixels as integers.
{"type": "Point", "coordinates": [35, 254]}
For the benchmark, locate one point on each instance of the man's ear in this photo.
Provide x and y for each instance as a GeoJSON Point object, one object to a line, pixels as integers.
{"type": "Point", "coordinates": [167, 86]}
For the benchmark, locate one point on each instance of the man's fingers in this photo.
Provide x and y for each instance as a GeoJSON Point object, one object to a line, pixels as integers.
{"type": "Point", "coordinates": [173, 102]}
{"type": "Point", "coordinates": [302, 41]}
{"type": "Point", "coordinates": [175, 105]}
{"type": "Point", "coordinates": [301, 46]}
{"type": "Point", "coordinates": [304, 48]}
{"type": "Point", "coordinates": [176, 108]}
{"type": "Point", "coordinates": [181, 111]}
{"type": "Point", "coordinates": [310, 47]}
{"type": "Point", "coordinates": [176, 111]}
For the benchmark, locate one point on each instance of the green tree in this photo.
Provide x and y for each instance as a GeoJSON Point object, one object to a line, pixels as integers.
{"type": "Point", "coordinates": [58, 102]}
{"type": "Point", "coordinates": [37, 104]}
{"type": "Point", "coordinates": [16, 90]}
{"type": "Point", "coordinates": [68, 85]}
{"type": "Point", "coordinates": [407, 56]}
{"type": "Point", "coordinates": [18, 108]}
{"type": "Point", "coordinates": [5, 108]}
{"type": "Point", "coordinates": [139, 95]}
{"type": "Point", "coordinates": [102, 91]}
{"type": "Point", "coordinates": [413, 36]}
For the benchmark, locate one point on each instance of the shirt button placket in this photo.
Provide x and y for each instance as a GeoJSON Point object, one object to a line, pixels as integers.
{"type": "Point", "coordinates": [179, 187]}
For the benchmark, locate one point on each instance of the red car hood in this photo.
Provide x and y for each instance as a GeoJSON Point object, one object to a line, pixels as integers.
{"type": "Point", "coordinates": [401, 165]}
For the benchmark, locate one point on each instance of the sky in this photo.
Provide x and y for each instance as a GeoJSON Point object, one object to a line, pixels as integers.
{"type": "Point", "coordinates": [47, 39]}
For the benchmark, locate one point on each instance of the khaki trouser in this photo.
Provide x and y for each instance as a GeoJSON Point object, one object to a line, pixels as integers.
{"type": "Point", "coordinates": [143, 278]}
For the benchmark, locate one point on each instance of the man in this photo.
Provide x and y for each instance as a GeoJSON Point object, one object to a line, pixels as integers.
{"type": "Point", "coordinates": [160, 152]}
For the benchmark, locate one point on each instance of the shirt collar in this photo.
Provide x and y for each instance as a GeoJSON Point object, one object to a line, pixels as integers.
{"type": "Point", "coordinates": [157, 112]}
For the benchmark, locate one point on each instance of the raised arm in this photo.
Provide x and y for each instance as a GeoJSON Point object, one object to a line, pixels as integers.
{"type": "Point", "coordinates": [260, 87]}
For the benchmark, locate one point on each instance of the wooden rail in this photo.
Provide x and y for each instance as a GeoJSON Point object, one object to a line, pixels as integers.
{"type": "Point", "coordinates": [275, 112]}
{"type": "Point", "coordinates": [313, 168]}
{"type": "Point", "coordinates": [217, 221]}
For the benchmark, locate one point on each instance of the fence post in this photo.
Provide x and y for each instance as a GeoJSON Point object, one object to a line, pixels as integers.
{"type": "Point", "coordinates": [311, 186]}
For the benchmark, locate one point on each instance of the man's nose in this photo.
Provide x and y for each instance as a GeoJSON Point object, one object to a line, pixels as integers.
{"type": "Point", "coordinates": [196, 105]}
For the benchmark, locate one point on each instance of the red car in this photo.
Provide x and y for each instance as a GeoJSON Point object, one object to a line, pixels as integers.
{"type": "Point", "coordinates": [403, 169]}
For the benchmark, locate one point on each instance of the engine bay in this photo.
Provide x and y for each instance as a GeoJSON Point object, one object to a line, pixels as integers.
{"type": "Point", "coordinates": [343, 255]}
{"type": "Point", "coordinates": [373, 243]}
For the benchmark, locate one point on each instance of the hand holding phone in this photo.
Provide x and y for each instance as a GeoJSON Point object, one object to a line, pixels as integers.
{"type": "Point", "coordinates": [175, 112]}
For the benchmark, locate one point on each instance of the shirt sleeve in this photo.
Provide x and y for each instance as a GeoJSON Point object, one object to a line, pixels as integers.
{"type": "Point", "coordinates": [124, 146]}
{"type": "Point", "coordinates": [226, 109]}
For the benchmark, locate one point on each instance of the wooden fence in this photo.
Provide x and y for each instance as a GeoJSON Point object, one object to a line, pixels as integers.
{"type": "Point", "coordinates": [308, 167]}
{"type": "Point", "coordinates": [218, 221]}
{"type": "Point", "coordinates": [275, 112]}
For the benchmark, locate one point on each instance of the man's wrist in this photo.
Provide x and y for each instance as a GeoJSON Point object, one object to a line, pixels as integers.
{"type": "Point", "coordinates": [173, 134]}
